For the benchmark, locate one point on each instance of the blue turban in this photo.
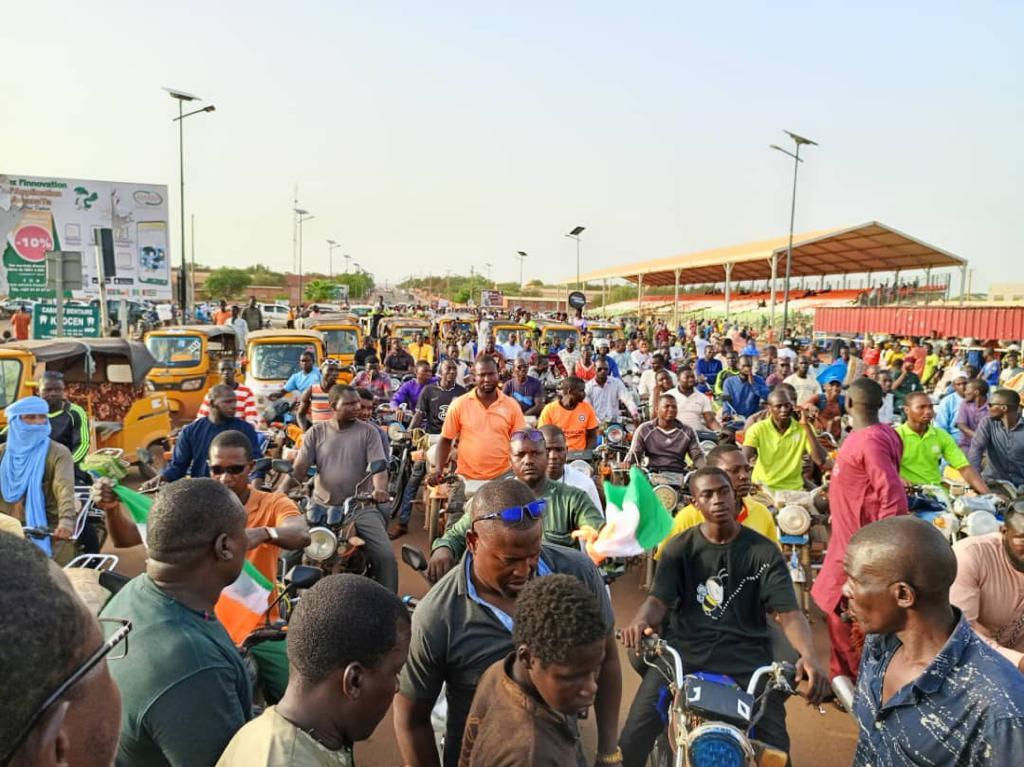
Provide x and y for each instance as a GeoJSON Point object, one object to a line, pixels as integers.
{"type": "Point", "coordinates": [23, 462]}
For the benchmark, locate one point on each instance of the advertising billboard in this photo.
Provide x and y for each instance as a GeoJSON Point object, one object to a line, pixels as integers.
{"type": "Point", "coordinates": [40, 214]}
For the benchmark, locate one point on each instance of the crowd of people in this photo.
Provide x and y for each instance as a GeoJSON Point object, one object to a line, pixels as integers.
{"type": "Point", "coordinates": [517, 633]}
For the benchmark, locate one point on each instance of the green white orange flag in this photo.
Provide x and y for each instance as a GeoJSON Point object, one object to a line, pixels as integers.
{"type": "Point", "coordinates": [636, 520]}
{"type": "Point", "coordinates": [242, 605]}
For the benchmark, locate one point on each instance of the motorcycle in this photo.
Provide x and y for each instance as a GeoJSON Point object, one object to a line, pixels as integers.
{"type": "Point", "coordinates": [710, 718]}
{"type": "Point", "coordinates": [334, 546]}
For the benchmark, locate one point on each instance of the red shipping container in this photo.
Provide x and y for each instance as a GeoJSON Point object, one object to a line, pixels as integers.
{"type": "Point", "coordinates": [980, 323]}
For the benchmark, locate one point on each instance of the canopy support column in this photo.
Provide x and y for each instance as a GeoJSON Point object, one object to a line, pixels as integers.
{"type": "Point", "coordinates": [927, 284]}
{"type": "Point", "coordinates": [896, 287]}
{"type": "Point", "coordinates": [604, 297]}
{"type": "Point", "coordinates": [774, 261]}
{"type": "Point", "coordinates": [728, 288]}
{"type": "Point", "coordinates": [844, 280]}
{"type": "Point", "coordinates": [675, 301]}
{"type": "Point", "coordinates": [639, 295]}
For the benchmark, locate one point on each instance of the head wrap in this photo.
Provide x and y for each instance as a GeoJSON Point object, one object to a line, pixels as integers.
{"type": "Point", "coordinates": [23, 462]}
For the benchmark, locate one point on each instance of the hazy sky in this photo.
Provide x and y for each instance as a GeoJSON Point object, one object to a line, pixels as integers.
{"type": "Point", "coordinates": [433, 136]}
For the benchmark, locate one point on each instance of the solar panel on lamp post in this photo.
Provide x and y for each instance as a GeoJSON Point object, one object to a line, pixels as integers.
{"type": "Point", "coordinates": [575, 234]}
{"type": "Point", "coordinates": [182, 97]}
{"type": "Point", "coordinates": [799, 141]}
{"type": "Point", "coordinates": [331, 245]}
{"type": "Point", "coordinates": [522, 257]}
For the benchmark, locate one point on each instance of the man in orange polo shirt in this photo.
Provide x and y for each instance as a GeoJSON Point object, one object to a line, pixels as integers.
{"type": "Point", "coordinates": [273, 523]}
{"type": "Point", "coordinates": [482, 421]}
{"type": "Point", "coordinates": [573, 415]}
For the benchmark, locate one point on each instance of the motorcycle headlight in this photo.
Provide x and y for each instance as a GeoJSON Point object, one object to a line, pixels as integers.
{"type": "Point", "coordinates": [322, 544]}
{"type": "Point", "coordinates": [582, 466]}
{"type": "Point", "coordinates": [615, 433]}
{"type": "Point", "coordinates": [192, 384]}
{"type": "Point", "coordinates": [718, 745]}
{"type": "Point", "coordinates": [396, 432]}
{"type": "Point", "coordinates": [668, 496]}
{"type": "Point", "coordinates": [793, 520]}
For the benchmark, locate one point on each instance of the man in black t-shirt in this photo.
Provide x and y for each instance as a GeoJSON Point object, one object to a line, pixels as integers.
{"type": "Point", "coordinates": [368, 349]}
{"type": "Point", "coordinates": [718, 580]}
{"type": "Point", "coordinates": [430, 412]}
{"type": "Point", "coordinates": [398, 361]}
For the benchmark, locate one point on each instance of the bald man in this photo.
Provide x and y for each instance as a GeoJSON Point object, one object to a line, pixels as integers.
{"type": "Point", "coordinates": [930, 690]}
{"type": "Point", "coordinates": [865, 487]}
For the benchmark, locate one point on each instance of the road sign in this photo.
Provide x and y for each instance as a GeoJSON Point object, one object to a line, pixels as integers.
{"type": "Point", "coordinates": [79, 321]}
{"type": "Point", "coordinates": [71, 261]}
{"type": "Point", "coordinates": [577, 300]}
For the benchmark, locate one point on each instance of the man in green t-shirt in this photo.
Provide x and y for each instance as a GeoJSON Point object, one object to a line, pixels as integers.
{"type": "Point", "coordinates": [568, 508]}
{"type": "Point", "coordinates": [185, 690]}
{"type": "Point", "coordinates": [338, 690]}
{"type": "Point", "coordinates": [779, 444]}
{"type": "Point", "coordinates": [925, 446]}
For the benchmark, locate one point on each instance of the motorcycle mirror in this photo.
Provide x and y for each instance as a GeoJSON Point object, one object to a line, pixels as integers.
{"type": "Point", "coordinates": [414, 557]}
{"type": "Point", "coordinates": [281, 466]}
{"type": "Point", "coordinates": [302, 577]}
{"type": "Point", "coordinates": [262, 464]}
{"type": "Point", "coordinates": [376, 467]}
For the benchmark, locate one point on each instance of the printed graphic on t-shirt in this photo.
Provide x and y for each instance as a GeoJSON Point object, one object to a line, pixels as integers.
{"type": "Point", "coordinates": [711, 595]}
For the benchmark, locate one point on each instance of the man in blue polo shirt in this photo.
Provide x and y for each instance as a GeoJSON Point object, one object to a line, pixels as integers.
{"type": "Point", "coordinates": [306, 376]}
{"type": "Point", "coordinates": [745, 392]}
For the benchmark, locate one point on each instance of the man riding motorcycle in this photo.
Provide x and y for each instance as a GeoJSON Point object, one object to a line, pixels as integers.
{"type": "Point", "coordinates": [664, 441]}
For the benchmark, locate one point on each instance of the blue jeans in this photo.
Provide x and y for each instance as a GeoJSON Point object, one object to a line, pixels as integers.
{"type": "Point", "coordinates": [412, 487]}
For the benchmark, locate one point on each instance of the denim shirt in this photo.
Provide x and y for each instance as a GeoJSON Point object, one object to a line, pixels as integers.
{"type": "Point", "coordinates": [966, 708]}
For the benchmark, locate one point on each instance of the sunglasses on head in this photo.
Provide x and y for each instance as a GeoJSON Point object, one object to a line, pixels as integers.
{"type": "Point", "coordinates": [232, 470]}
{"type": "Point", "coordinates": [516, 514]}
{"type": "Point", "coordinates": [533, 435]}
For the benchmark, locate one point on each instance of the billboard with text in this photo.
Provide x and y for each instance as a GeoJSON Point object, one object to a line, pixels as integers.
{"type": "Point", "coordinates": [42, 213]}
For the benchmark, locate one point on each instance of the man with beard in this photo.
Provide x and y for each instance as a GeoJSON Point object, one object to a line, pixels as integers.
{"type": "Point", "coordinates": [568, 508]}
{"type": "Point", "coordinates": [865, 487]}
{"type": "Point", "coordinates": [989, 585]}
{"type": "Point", "coordinates": [930, 690]}
{"type": "Point", "coordinates": [464, 624]}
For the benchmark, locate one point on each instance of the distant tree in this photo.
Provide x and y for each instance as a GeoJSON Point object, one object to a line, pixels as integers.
{"type": "Point", "coordinates": [318, 291]}
{"type": "Point", "coordinates": [264, 275]}
{"type": "Point", "coordinates": [227, 283]}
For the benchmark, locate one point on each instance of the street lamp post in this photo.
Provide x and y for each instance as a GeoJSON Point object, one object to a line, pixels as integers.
{"type": "Point", "coordinates": [575, 234]}
{"type": "Point", "coordinates": [347, 259]}
{"type": "Point", "coordinates": [522, 256]}
{"type": "Point", "coordinates": [182, 97]}
{"type": "Point", "coordinates": [302, 217]}
{"type": "Point", "coordinates": [799, 141]}
{"type": "Point", "coordinates": [331, 245]}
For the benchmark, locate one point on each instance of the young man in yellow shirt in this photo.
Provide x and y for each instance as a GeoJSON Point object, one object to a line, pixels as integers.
{"type": "Point", "coordinates": [750, 513]}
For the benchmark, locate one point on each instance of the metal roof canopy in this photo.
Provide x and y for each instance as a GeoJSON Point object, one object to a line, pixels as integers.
{"type": "Point", "coordinates": [870, 247]}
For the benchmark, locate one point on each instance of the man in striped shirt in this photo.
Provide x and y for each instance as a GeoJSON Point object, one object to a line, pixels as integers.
{"type": "Point", "coordinates": [245, 400]}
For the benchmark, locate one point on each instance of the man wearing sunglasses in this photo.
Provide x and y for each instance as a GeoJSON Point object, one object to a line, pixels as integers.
{"type": "Point", "coordinates": [464, 623]}
{"type": "Point", "coordinates": [184, 686]}
{"type": "Point", "coordinates": [568, 508]}
{"type": "Point", "coordinates": [273, 523]}
{"type": "Point", "coordinates": [60, 705]}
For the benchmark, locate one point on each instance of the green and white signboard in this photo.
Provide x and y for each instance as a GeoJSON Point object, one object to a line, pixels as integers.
{"type": "Point", "coordinates": [79, 321]}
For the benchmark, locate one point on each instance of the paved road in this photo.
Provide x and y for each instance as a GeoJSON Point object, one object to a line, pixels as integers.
{"type": "Point", "coordinates": [817, 740]}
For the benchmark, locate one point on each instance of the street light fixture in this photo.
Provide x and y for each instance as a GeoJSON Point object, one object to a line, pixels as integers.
{"type": "Point", "coordinates": [182, 97]}
{"type": "Point", "coordinates": [522, 255]}
{"type": "Point", "coordinates": [302, 217]}
{"type": "Point", "coordinates": [331, 245]}
{"type": "Point", "coordinates": [347, 259]}
{"type": "Point", "coordinates": [799, 141]}
{"type": "Point", "coordinates": [575, 234]}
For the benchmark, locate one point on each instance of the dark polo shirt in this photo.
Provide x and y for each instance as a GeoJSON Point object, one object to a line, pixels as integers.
{"type": "Point", "coordinates": [456, 637]}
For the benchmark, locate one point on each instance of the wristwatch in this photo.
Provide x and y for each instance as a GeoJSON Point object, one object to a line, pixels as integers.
{"type": "Point", "coordinates": [272, 534]}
